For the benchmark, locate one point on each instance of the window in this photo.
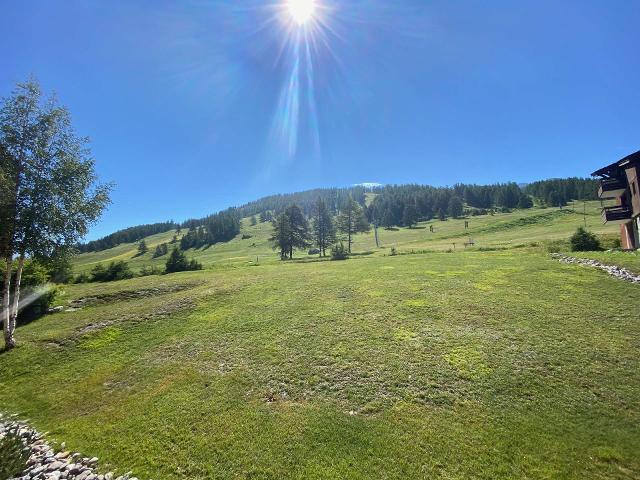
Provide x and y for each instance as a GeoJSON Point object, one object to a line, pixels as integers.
{"type": "Point", "coordinates": [633, 187]}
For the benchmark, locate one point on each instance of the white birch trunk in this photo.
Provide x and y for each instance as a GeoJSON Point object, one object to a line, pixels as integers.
{"type": "Point", "coordinates": [16, 296]}
{"type": "Point", "coordinates": [6, 312]}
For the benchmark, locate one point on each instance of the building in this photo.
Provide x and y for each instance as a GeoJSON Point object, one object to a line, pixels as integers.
{"type": "Point", "coordinates": [619, 181]}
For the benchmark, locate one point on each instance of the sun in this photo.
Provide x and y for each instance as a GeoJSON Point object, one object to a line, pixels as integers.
{"type": "Point", "coordinates": [301, 11]}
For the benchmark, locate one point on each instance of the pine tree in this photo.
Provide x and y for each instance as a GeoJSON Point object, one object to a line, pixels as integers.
{"type": "Point", "coordinates": [142, 247]}
{"type": "Point", "coordinates": [387, 219]}
{"type": "Point", "coordinates": [352, 220]}
{"type": "Point", "coordinates": [299, 229]}
{"type": "Point", "coordinates": [324, 232]}
{"type": "Point", "coordinates": [455, 207]}
{"type": "Point", "coordinates": [409, 216]}
{"type": "Point", "coordinates": [253, 220]}
{"type": "Point", "coordinates": [281, 237]}
{"type": "Point", "coordinates": [525, 201]}
{"type": "Point", "coordinates": [177, 261]}
{"type": "Point", "coordinates": [290, 231]}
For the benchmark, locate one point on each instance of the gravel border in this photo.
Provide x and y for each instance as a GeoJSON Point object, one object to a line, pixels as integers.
{"type": "Point", "coordinates": [613, 270]}
{"type": "Point", "coordinates": [44, 463]}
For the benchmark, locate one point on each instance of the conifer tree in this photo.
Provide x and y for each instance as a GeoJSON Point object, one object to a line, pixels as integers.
{"type": "Point", "coordinates": [409, 215]}
{"type": "Point", "coordinates": [324, 232]}
{"type": "Point", "coordinates": [142, 247]}
{"type": "Point", "coordinates": [290, 231]}
{"type": "Point", "coordinates": [456, 207]}
{"type": "Point", "coordinates": [281, 237]}
{"type": "Point", "coordinates": [352, 220]}
{"type": "Point", "coordinates": [177, 261]}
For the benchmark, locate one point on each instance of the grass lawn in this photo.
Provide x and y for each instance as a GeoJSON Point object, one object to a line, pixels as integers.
{"type": "Point", "coordinates": [502, 364]}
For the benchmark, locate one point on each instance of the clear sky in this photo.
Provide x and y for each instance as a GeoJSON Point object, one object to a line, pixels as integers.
{"type": "Point", "coordinates": [194, 106]}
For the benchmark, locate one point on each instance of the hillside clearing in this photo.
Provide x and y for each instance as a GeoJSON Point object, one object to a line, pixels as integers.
{"type": "Point", "coordinates": [442, 365]}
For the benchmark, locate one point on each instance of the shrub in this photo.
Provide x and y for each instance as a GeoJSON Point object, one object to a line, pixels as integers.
{"type": "Point", "coordinates": [394, 252]}
{"type": "Point", "coordinates": [115, 271]}
{"type": "Point", "coordinates": [81, 278]}
{"type": "Point", "coordinates": [43, 297]}
{"type": "Point", "coordinates": [14, 454]}
{"type": "Point", "coordinates": [339, 252]}
{"type": "Point", "coordinates": [161, 250]}
{"type": "Point", "coordinates": [194, 265]}
{"type": "Point", "coordinates": [150, 270]}
{"type": "Point", "coordinates": [584, 241]}
{"type": "Point", "coordinates": [178, 262]}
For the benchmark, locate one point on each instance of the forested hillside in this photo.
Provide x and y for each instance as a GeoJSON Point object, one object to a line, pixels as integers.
{"type": "Point", "coordinates": [128, 235]}
{"type": "Point", "coordinates": [392, 205]}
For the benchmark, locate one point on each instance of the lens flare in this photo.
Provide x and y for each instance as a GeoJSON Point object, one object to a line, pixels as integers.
{"type": "Point", "coordinates": [301, 11]}
{"type": "Point", "coordinates": [305, 27]}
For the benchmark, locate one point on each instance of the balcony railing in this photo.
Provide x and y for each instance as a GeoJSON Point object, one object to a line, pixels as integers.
{"type": "Point", "coordinates": [618, 214]}
{"type": "Point", "coordinates": [611, 187]}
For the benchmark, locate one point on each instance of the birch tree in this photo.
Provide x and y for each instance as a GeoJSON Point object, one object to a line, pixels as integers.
{"type": "Point", "coordinates": [48, 186]}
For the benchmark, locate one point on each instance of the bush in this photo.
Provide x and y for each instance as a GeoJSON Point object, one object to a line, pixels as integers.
{"type": "Point", "coordinates": [43, 297]}
{"type": "Point", "coordinates": [15, 456]}
{"type": "Point", "coordinates": [394, 252]}
{"type": "Point", "coordinates": [584, 241]}
{"type": "Point", "coordinates": [339, 252]}
{"type": "Point", "coordinates": [150, 270]}
{"type": "Point", "coordinates": [115, 271]}
{"type": "Point", "coordinates": [178, 262]}
{"type": "Point", "coordinates": [81, 278]}
{"type": "Point", "coordinates": [161, 250]}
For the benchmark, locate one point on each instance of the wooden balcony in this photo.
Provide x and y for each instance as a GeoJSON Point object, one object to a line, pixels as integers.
{"type": "Point", "coordinates": [618, 214]}
{"type": "Point", "coordinates": [611, 187]}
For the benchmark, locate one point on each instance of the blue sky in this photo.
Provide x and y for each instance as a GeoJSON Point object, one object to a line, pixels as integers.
{"type": "Point", "coordinates": [186, 102]}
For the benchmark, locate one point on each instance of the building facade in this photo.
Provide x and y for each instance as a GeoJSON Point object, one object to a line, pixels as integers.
{"type": "Point", "coordinates": [619, 181]}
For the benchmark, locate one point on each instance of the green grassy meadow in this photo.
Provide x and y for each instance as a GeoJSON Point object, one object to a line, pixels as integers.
{"type": "Point", "coordinates": [490, 362]}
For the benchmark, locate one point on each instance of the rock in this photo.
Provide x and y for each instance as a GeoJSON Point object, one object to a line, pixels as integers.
{"type": "Point", "coordinates": [44, 463]}
{"type": "Point", "coordinates": [55, 309]}
{"type": "Point", "coordinates": [613, 270]}
{"type": "Point", "coordinates": [55, 465]}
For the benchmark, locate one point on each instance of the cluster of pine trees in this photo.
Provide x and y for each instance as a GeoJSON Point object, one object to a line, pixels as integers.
{"type": "Point", "coordinates": [335, 200]}
{"type": "Point", "coordinates": [161, 250]}
{"type": "Point", "coordinates": [128, 235]}
{"type": "Point", "coordinates": [404, 205]}
{"type": "Point", "coordinates": [291, 229]}
{"type": "Point", "coordinates": [394, 205]}
{"type": "Point", "coordinates": [557, 192]}
{"type": "Point", "coordinates": [220, 227]}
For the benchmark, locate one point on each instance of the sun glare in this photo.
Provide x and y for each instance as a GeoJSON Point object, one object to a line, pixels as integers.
{"type": "Point", "coordinates": [301, 10]}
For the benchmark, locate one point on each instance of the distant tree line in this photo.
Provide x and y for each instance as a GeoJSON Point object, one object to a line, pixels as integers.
{"type": "Point", "coordinates": [393, 205]}
{"type": "Point", "coordinates": [128, 235]}
{"type": "Point", "coordinates": [335, 200]}
{"type": "Point", "coordinates": [216, 228]}
{"type": "Point", "coordinates": [404, 205]}
{"type": "Point", "coordinates": [120, 270]}
{"type": "Point", "coordinates": [558, 192]}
